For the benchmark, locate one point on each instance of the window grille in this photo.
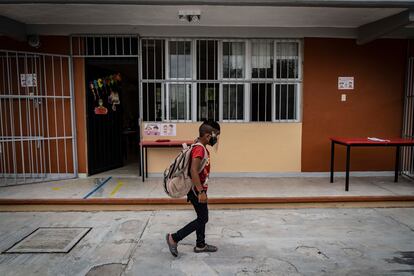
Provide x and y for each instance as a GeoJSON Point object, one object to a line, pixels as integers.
{"type": "Point", "coordinates": [233, 102]}
{"type": "Point", "coordinates": [104, 45]}
{"type": "Point", "coordinates": [227, 80]}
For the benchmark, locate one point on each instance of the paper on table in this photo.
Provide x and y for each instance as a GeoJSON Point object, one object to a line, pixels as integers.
{"type": "Point", "coordinates": [377, 139]}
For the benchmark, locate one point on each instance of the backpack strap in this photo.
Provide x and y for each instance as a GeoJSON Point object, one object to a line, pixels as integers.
{"type": "Point", "coordinates": [205, 159]}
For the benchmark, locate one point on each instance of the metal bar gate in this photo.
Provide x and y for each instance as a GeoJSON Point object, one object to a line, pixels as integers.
{"type": "Point", "coordinates": [407, 167]}
{"type": "Point", "coordinates": [37, 134]}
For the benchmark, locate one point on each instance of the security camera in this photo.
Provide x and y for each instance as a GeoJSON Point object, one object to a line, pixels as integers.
{"type": "Point", "coordinates": [33, 41]}
{"type": "Point", "coordinates": [192, 16]}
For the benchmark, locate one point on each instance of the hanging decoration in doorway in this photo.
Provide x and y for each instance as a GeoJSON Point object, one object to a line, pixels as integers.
{"type": "Point", "coordinates": [101, 110]}
{"type": "Point", "coordinates": [105, 91]}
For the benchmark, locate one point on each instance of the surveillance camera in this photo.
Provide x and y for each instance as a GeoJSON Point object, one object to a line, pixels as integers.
{"type": "Point", "coordinates": [33, 41]}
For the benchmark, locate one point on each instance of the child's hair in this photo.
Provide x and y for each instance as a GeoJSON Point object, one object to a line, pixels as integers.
{"type": "Point", "coordinates": [207, 127]}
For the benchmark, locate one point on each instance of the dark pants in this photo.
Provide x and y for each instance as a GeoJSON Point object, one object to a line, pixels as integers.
{"type": "Point", "coordinates": [198, 225]}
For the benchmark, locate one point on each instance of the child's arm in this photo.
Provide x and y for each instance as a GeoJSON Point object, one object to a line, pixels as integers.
{"type": "Point", "coordinates": [195, 165]}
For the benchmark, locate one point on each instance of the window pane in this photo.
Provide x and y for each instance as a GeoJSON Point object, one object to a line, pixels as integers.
{"type": "Point", "coordinates": [261, 102]}
{"type": "Point", "coordinates": [180, 102]}
{"type": "Point", "coordinates": [286, 101]}
{"type": "Point", "coordinates": [262, 59]}
{"type": "Point", "coordinates": [207, 59]}
{"type": "Point", "coordinates": [233, 59]}
{"type": "Point", "coordinates": [152, 59]}
{"type": "Point", "coordinates": [233, 102]}
{"type": "Point", "coordinates": [180, 59]}
{"type": "Point", "coordinates": [152, 101]}
{"type": "Point", "coordinates": [208, 101]}
{"type": "Point", "coordinates": [287, 49]}
{"type": "Point", "coordinates": [287, 66]}
{"type": "Point", "coordinates": [287, 69]}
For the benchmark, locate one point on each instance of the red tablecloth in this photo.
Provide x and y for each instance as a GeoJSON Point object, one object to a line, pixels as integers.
{"type": "Point", "coordinates": [172, 143]}
{"type": "Point", "coordinates": [365, 141]}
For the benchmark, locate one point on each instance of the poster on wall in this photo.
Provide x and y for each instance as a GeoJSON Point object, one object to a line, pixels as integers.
{"type": "Point", "coordinates": [28, 80]}
{"type": "Point", "coordinates": [155, 129]}
{"type": "Point", "coordinates": [346, 83]}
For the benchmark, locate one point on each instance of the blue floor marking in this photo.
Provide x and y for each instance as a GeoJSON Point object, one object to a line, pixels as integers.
{"type": "Point", "coordinates": [97, 188]}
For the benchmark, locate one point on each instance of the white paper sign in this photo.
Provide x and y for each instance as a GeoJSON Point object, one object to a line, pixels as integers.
{"type": "Point", "coordinates": [28, 80]}
{"type": "Point", "coordinates": [345, 83]}
{"type": "Point", "coordinates": [155, 129]}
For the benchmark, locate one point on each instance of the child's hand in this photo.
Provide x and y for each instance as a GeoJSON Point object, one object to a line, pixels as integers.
{"type": "Point", "coordinates": [202, 197]}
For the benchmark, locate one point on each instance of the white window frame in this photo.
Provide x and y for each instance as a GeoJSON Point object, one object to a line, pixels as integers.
{"type": "Point", "coordinates": [247, 79]}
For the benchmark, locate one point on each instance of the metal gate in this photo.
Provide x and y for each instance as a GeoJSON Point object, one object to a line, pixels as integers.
{"type": "Point", "coordinates": [37, 134]}
{"type": "Point", "coordinates": [408, 127]}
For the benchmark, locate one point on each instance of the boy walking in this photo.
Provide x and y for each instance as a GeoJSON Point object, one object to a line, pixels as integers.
{"type": "Point", "coordinates": [208, 135]}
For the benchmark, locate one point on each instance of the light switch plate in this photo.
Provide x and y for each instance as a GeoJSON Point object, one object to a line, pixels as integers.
{"type": "Point", "coordinates": [343, 97]}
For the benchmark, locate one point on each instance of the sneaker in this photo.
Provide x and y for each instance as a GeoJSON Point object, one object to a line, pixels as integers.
{"type": "Point", "coordinates": [207, 248]}
{"type": "Point", "coordinates": [171, 246]}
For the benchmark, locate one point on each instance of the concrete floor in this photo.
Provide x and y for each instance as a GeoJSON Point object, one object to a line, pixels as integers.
{"type": "Point", "coordinates": [218, 187]}
{"type": "Point", "coordinates": [251, 242]}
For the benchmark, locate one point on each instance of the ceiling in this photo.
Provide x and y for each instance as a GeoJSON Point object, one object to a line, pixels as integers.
{"type": "Point", "coordinates": [210, 15]}
{"type": "Point", "coordinates": [216, 20]}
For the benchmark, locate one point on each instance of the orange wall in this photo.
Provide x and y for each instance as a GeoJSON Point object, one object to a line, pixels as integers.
{"type": "Point", "coordinates": [48, 44]}
{"type": "Point", "coordinates": [80, 109]}
{"type": "Point", "coordinates": [374, 108]}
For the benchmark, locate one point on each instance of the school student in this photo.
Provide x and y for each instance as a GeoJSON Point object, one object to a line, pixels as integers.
{"type": "Point", "coordinates": [208, 135]}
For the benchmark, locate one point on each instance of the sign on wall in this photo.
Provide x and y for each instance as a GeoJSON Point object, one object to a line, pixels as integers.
{"type": "Point", "coordinates": [28, 80]}
{"type": "Point", "coordinates": [156, 129]}
{"type": "Point", "coordinates": [345, 83]}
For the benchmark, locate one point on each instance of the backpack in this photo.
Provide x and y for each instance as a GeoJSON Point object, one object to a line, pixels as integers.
{"type": "Point", "coordinates": [177, 180]}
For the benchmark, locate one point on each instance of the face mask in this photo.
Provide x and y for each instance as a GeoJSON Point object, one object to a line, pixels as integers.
{"type": "Point", "coordinates": [213, 140]}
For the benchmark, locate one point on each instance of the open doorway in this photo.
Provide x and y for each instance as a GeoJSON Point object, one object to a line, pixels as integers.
{"type": "Point", "coordinates": [112, 116]}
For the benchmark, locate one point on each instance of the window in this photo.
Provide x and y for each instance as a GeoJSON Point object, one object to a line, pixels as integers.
{"type": "Point", "coordinates": [262, 59]}
{"type": "Point", "coordinates": [233, 102]}
{"type": "Point", "coordinates": [287, 74]}
{"type": "Point", "coordinates": [207, 93]}
{"type": "Point", "coordinates": [261, 102]}
{"type": "Point", "coordinates": [287, 66]}
{"type": "Point", "coordinates": [179, 102]}
{"type": "Point", "coordinates": [180, 59]}
{"type": "Point", "coordinates": [208, 101]}
{"type": "Point", "coordinates": [153, 59]}
{"type": "Point", "coordinates": [233, 60]}
{"type": "Point", "coordinates": [257, 80]}
{"type": "Point", "coordinates": [152, 101]}
{"type": "Point", "coordinates": [153, 51]}
{"type": "Point", "coordinates": [207, 54]}
{"type": "Point", "coordinates": [285, 101]}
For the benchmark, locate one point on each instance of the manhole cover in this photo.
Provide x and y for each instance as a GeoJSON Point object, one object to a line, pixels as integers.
{"type": "Point", "coordinates": [50, 240]}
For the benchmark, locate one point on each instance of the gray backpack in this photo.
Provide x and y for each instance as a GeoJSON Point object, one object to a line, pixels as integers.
{"type": "Point", "coordinates": [177, 180]}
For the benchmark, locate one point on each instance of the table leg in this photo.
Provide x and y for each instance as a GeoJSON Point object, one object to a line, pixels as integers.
{"type": "Point", "coordinates": [348, 157]}
{"type": "Point", "coordinates": [332, 160]}
{"type": "Point", "coordinates": [146, 162]}
{"type": "Point", "coordinates": [142, 164]}
{"type": "Point", "coordinates": [397, 164]}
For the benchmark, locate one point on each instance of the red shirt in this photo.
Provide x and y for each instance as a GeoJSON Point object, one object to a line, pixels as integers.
{"type": "Point", "coordinates": [198, 152]}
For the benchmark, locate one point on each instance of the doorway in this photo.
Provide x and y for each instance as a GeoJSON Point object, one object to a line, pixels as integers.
{"type": "Point", "coordinates": [112, 115]}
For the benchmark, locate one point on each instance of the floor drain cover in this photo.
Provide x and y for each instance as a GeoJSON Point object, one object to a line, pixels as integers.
{"type": "Point", "coordinates": [50, 240]}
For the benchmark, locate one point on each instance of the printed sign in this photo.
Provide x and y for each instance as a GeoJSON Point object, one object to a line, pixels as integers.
{"type": "Point", "coordinates": [345, 83]}
{"type": "Point", "coordinates": [154, 129]}
{"type": "Point", "coordinates": [28, 80]}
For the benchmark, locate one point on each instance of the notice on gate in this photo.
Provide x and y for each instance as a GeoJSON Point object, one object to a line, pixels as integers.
{"type": "Point", "coordinates": [28, 80]}
{"type": "Point", "coordinates": [346, 83]}
{"type": "Point", "coordinates": [154, 129]}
